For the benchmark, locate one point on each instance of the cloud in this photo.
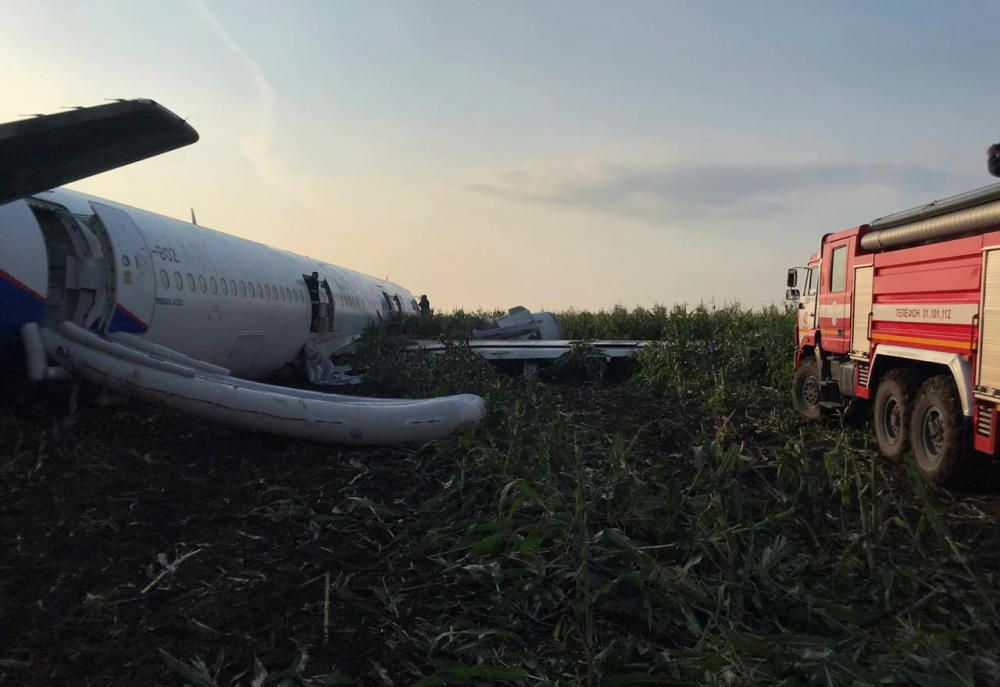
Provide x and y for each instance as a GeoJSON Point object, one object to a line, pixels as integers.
{"type": "Point", "coordinates": [663, 191]}
{"type": "Point", "coordinates": [257, 144]}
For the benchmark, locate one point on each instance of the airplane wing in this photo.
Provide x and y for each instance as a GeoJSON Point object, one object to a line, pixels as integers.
{"type": "Point", "coordinates": [51, 150]}
{"type": "Point", "coordinates": [535, 350]}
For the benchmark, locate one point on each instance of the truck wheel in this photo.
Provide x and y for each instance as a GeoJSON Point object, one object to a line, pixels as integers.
{"type": "Point", "coordinates": [806, 390]}
{"type": "Point", "coordinates": [891, 412]}
{"type": "Point", "coordinates": [937, 430]}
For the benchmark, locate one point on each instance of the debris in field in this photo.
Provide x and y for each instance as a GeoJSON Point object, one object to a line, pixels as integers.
{"type": "Point", "coordinates": [321, 371]}
{"type": "Point", "coordinates": [168, 567]}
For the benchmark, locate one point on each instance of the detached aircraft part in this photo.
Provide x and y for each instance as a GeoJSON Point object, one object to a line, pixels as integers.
{"type": "Point", "coordinates": [520, 323]}
{"type": "Point", "coordinates": [205, 391]}
{"type": "Point", "coordinates": [321, 371]}
{"type": "Point", "coordinates": [536, 351]}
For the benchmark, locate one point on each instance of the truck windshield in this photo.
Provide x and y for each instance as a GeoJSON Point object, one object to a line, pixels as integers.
{"type": "Point", "coordinates": [811, 278]}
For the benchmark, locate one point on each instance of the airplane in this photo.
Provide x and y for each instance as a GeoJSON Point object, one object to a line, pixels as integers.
{"type": "Point", "coordinates": [161, 309]}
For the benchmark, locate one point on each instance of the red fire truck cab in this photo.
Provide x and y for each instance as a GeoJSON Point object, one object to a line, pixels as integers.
{"type": "Point", "coordinates": [905, 312]}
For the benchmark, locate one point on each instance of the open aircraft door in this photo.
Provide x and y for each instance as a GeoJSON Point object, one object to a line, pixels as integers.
{"type": "Point", "coordinates": [323, 307]}
{"type": "Point", "coordinates": [132, 272]}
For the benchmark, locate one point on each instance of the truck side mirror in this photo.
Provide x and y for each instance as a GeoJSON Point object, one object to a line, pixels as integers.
{"type": "Point", "coordinates": [793, 278]}
{"type": "Point", "coordinates": [792, 295]}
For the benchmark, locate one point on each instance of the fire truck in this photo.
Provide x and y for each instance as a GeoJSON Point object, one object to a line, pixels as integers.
{"type": "Point", "coordinates": [904, 312]}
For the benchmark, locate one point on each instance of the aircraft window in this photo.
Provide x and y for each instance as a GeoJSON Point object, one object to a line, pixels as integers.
{"type": "Point", "coordinates": [253, 293]}
{"type": "Point", "coordinates": [164, 279]}
{"type": "Point", "coordinates": [201, 283]}
{"type": "Point", "coordinates": [283, 293]}
{"type": "Point", "coordinates": [190, 282]}
{"type": "Point", "coordinates": [260, 291]}
{"type": "Point", "coordinates": [215, 285]}
{"type": "Point", "coordinates": [267, 291]}
{"type": "Point", "coordinates": [178, 281]}
{"type": "Point", "coordinates": [243, 288]}
{"type": "Point", "coordinates": [225, 288]}
{"type": "Point", "coordinates": [232, 286]}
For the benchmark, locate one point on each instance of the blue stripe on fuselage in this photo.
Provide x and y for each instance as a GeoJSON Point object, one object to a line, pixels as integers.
{"type": "Point", "coordinates": [18, 306]}
{"type": "Point", "coordinates": [124, 321]}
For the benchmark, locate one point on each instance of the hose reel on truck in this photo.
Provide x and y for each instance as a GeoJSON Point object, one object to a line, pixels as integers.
{"type": "Point", "coordinates": [961, 214]}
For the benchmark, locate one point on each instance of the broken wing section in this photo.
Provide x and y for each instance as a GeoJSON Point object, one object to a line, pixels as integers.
{"type": "Point", "coordinates": [51, 150]}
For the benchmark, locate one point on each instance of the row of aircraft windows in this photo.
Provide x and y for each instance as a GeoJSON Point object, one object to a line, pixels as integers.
{"type": "Point", "coordinates": [247, 288]}
{"type": "Point", "coordinates": [354, 301]}
{"type": "Point", "coordinates": [241, 288]}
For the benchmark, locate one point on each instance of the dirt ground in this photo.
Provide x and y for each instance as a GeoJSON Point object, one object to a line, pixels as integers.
{"type": "Point", "coordinates": [139, 538]}
{"type": "Point", "coordinates": [139, 531]}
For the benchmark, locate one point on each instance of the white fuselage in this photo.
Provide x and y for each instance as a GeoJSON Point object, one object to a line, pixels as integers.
{"type": "Point", "coordinates": [216, 297]}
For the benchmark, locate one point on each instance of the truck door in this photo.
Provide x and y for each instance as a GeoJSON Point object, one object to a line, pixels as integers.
{"type": "Point", "coordinates": [807, 303]}
{"type": "Point", "coordinates": [861, 311]}
{"type": "Point", "coordinates": [834, 312]}
{"type": "Point", "coordinates": [988, 374]}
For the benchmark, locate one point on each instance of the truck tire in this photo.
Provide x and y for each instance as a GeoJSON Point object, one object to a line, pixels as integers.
{"type": "Point", "coordinates": [892, 410]}
{"type": "Point", "coordinates": [937, 430]}
{"type": "Point", "coordinates": [806, 390]}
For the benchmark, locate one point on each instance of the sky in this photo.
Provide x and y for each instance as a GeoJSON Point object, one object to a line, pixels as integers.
{"type": "Point", "coordinates": [548, 154]}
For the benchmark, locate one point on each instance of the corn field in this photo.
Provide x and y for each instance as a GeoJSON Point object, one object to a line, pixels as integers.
{"type": "Point", "coordinates": [677, 526]}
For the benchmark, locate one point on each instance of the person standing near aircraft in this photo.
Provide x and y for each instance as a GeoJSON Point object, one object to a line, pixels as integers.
{"type": "Point", "coordinates": [425, 306]}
